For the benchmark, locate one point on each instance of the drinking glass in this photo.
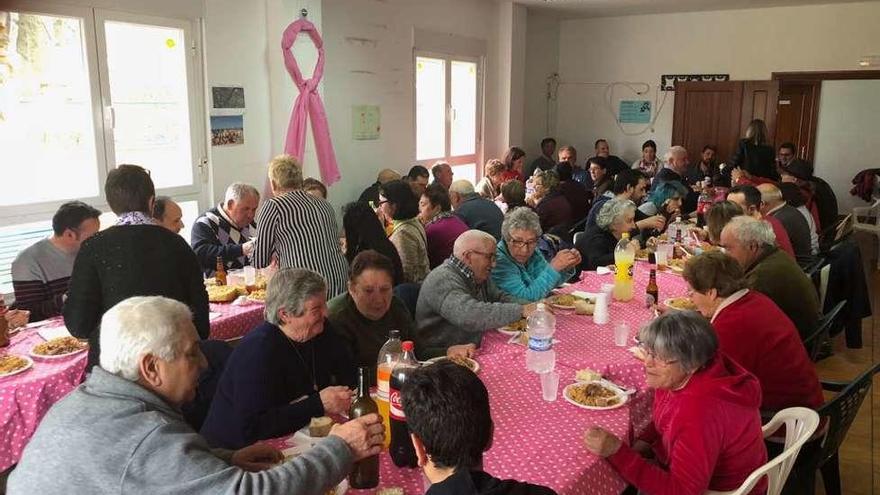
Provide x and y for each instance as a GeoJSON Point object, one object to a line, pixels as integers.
{"type": "Point", "coordinates": [549, 385]}
{"type": "Point", "coordinates": [621, 334]}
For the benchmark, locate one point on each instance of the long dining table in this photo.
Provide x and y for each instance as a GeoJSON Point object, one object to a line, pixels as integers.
{"type": "Point", "coordinates": [542, 442]}
{"type": "Point", "coordinates": [26, 397]}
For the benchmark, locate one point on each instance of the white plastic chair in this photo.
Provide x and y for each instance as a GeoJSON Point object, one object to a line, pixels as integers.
{"type": "Point", "coordinates": [871, 228]}
{"type": "Point", "coordinates": [800, 424]}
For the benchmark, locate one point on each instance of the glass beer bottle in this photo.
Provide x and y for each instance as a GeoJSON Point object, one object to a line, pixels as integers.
{"type": "Point", "coordinates": [365, 473]}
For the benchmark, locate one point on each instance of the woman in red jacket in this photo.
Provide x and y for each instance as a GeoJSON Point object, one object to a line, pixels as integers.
{"type": "Point", "coordinates": [754, 332]}
{"type": "Point", "coordinates": [706, 430]}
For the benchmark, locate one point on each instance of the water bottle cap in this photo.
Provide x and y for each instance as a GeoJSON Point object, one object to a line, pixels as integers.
{"type": "Point", "coordinates": [407, 345]}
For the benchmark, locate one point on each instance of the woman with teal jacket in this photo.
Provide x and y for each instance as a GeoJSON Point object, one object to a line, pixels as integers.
{"type": "Point", "coordinates": [521, 270]}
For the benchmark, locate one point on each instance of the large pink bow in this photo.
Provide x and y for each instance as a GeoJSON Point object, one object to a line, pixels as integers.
{"type": "Point", "coordinates": [308, 104]}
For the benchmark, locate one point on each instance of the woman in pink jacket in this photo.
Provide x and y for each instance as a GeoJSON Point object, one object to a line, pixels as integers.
{"type": "Point", "coordinates": [705, 432]}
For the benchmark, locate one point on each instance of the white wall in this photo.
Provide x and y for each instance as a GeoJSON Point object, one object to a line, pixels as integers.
{"type": "Point", "coordinates": [370, 61]}
{"type": "Point", "coordinates": [846, 134]}
{"type": "Point", "coordinates": [747, 44]}
{"type": "Point", "coordinates": [542, 60]}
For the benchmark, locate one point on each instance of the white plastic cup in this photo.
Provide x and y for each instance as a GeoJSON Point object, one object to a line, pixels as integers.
{"type": "Point", "coordinates": [549, 385]}
{"type": "Point", "coordinates": [621, 334]}
{"type": "Point", "coordinates": [250, 275]}
{"type": "Point", "coordinates": [600, 312]}
{"type": "Point", "coordinates": [608, 289]}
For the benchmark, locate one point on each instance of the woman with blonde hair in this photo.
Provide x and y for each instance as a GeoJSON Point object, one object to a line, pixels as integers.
{"type": "Point", "coordinates": [299, 229]}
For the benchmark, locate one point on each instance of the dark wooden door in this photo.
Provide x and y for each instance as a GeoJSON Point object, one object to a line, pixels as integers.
{"type": "Point", "coordinates": [718, 113]}
{"type": "Point", "coordinates": [796, 116]}
{"type": "Point", "coordinates": [707, 113]}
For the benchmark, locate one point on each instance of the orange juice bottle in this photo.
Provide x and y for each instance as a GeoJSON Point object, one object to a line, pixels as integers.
{"type": "Point", "coordinates": [388, 355]}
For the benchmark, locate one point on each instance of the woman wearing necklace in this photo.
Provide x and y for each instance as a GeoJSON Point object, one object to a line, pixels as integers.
{"type": "Point", "coordinates": [291, 368]}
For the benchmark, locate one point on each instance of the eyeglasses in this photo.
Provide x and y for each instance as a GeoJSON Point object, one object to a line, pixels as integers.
{"type": "Point", "coordinates": [489, 256]}
{"type": "Point", "coordinates": [649, 354]}
{"type": "Point", "coordinates": [519, 244]}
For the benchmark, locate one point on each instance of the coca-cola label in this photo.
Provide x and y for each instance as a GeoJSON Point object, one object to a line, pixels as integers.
{"type": "Point", "coordinates": [395, 405]}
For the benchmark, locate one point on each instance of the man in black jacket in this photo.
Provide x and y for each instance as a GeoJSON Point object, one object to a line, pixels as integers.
{"type": "Point", "coordinates": [435, 400]}
{"type": "Point", "coordinates": [136, 257]}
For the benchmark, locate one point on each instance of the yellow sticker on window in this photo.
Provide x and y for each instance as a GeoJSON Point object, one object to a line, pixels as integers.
{"type": "Point", "coordinates": [170, 43]}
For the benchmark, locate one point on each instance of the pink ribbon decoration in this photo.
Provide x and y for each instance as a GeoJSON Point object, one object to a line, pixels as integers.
{"type": "Point", "coordinates": [308, 104]}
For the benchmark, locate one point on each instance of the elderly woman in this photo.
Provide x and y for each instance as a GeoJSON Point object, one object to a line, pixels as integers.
{"type": "Point", "coordinates": [706, 430]}
{"type": "Point", "coordinates": [493, 176]}
{"type": "Point", "coordinates": [549, 202]}
{"type": "Point", "coordinates": [364, 315]}
{"type": "Point", "coordinates": [398, 202]}
{"type": "Point", "coordinates": [442, 227]}
{"type": "Point", "coordinates": [298, 228]}
{"type": "Point", "coordinates": [750, 329]}
{"type": "Point", "coordinates": [291, 368]}
{"type": "Point", "coordinates": [521, 269]}
{"type": "Point", "coordinates": [617, 217]}
{"type": "Point", "coordinates": [363, 230]}
{"type": "Point", "coordinates": [128, 434]}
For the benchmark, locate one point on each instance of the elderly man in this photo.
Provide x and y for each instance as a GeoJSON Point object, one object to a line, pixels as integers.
{"type": "Point", "coordinates": [41, 273]}
{"type": "Point", "coordinates": [458, 300]}
{"type": "Point", "coordinates": [769, 271]}
{"type": "Point", "coordinates": [569, 154]}
{"type": "Point", "coordinates": [371, 194]}
{"type": "Point", "coordinates": [748, 198]}
{"type": "Point", "coordinates": [442, 173]}
{"type": "Point", "coordinates": [226, 231]}
{"type": "Point", "coordinates": [122, 431]}
{"type": "Point", "coordinates": [168, 214]}
{"type": "Point", "coordinates": [476, 211]}
{"type": "Point", "coordinates": [792, 221]}
{"type": "Point", "coordinates": [135, 257]}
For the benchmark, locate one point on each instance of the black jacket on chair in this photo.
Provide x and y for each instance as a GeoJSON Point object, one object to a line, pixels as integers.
{"type": "Point", "coordinates": [132, 260]}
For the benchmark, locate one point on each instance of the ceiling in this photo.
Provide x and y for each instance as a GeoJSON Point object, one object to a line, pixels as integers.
{"type": "Point", "coordinates": [612, 8]}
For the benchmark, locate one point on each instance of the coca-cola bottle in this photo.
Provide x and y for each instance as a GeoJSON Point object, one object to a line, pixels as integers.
{"type": "Point", "coordinates": [401, 449]}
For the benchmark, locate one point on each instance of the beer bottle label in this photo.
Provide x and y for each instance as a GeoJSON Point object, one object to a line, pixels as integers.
{"type": "Point", "coordinates": [395, 405]}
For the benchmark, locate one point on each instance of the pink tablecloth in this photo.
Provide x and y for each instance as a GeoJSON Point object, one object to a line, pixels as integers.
{"type": "Point", "coordinates": [235, 321]}
{"type": "Point", "coordinates": [25, 397]}
{"type": "Point", "coordinates": [541, 442]}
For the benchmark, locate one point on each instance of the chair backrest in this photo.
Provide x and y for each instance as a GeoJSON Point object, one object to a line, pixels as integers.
{"type": "Point", "coordinates": [813, 343]}
{"type": "Point", "coordinates": [800, 424]}
{"type": "Point", "coordinates": [842, 410]}
{"type": "Point", "coordinates": [409, 294]}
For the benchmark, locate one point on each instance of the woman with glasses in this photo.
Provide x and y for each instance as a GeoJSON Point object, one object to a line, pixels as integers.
{"type": "Point", "coordinates": [751, 328]}
{"type": "Point", "coordinates": [596, 246]}
{"type": "Point", "coordinates": [521, 269]}
{"type": "Point", "coordinates": [705, 432]}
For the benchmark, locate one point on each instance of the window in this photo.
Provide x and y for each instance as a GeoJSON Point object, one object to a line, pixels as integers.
{"type": "Point", "coordinates": [448, 112]}
{"type": "Point", "coordinates": [82, 91]}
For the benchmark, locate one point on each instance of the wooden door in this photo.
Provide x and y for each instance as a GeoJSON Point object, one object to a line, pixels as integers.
{"type": "Point", "coordinates": [718, 113]}
{"type": "Point", "coordinates": [796, 116]}
{"type": "Point", "coordinates": [707, 113]}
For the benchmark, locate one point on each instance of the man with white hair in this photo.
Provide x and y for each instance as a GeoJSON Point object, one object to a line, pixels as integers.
{"type": "Point", "coordinates": [676, 168]}
{"type": "Point", "coordinates": [442, 173]}
{"type": "Point", "coordinates": [122, 431]}
{"type": "Point", "coordinates": [772, 272]}
{"type": "Point", "coordinates": [227, 230]}
{"type": "Point", "coordinates": [476, 211]}
{"type": "Point", "coordinates": [795, 225]}
{"type": "Point", "coordinates": [458, 300]}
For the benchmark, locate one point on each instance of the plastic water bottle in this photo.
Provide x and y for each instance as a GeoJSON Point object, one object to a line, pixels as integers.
{"type": "Point", "coordinates": [540, 356]}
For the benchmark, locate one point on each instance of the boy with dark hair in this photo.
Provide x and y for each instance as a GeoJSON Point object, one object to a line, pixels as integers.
{"type": "Point", "coordinates": [447, 412]}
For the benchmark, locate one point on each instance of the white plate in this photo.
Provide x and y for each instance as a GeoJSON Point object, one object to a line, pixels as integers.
{"type": "Point", "coordinates": [30, 364]}
{"type": "Point", "coordinates": [666, 303]}
{"type": "Point", "coordinates": [621, 397]}
{"type": "Point", "coordinates": [57, 356]}
{"type": "Point", "coordinates": [476, 365]}
{"type": "Point", "coordinates": [506, 330]}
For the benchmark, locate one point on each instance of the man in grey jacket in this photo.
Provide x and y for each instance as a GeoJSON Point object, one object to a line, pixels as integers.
{"type": "Point", "coordinates": [458, 300]}
{"type": "Point", "coordinates": [121, 431]}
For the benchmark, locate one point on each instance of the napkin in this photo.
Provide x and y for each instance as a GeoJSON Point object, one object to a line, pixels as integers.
{"type": "Point", "coordinates": [53, 332]}
{"type": "Point", "coordinates": [213, 316]}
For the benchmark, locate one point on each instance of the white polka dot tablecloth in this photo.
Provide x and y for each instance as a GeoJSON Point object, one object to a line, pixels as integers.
{"type": "Point", "coordinates": [25, 397]}
{"type": "Point", "coordinates": [235, 320]}
{"type": "Point", "coordinates": [541, 442]}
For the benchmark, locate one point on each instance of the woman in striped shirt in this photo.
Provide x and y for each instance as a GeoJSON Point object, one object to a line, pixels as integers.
{"type": "Point", "coordinates": [299, 228]}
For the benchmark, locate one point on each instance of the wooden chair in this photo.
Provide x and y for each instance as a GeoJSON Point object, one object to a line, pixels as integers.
{"type": "Point", "coordinates": [800, 423]}
{"type": "Point", "coordinates": [814, 342]}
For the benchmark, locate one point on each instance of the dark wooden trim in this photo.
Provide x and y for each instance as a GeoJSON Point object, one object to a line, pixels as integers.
{"type": "Point", "coordinates": [826, 76]}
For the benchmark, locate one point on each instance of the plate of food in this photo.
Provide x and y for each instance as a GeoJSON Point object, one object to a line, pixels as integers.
{"type": "Point", "coordinates": [59, 348]}
{"type": "Point", "coordinates": [514, 328]}
{"type": "Point", "coordinates": [565, 301]}
{"type": "Point", "coordinates": [257, 295]}
{"type": "Point", "coordinates": [642, 254]}
{"type": "Point", "coordinates": [13, 364]}
{"type": "Point", "coordinates": [676, 265]}
{"type": "Point", "coordinates": [221, 293]}
{"type": "Point", "coordinates": [459, 360]}
{"type": "Point", "coordinates": [680, 304]}
{"type": "Point", "coordinates": [596, 395]}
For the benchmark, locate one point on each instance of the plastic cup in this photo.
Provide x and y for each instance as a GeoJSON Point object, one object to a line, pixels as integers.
{"type": "Point", "coordinates": [600, 310]}
{"type": "Point", "coordinates": [621, 334]}
{"type": "Point", "coordinates": [250, 275]}
{"type": "Point", "coordinates": [608, 289]}
{"type": "Point", "coordinates": [664, 251]}
{"type": "Point", "coordinates": [549, 385]}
